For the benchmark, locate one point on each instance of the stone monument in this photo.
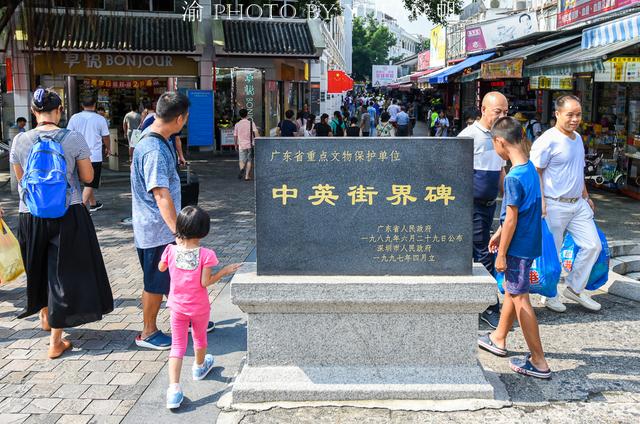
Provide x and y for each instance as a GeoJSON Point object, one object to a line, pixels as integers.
{"type": "Point", "coordinates": [364, 287]}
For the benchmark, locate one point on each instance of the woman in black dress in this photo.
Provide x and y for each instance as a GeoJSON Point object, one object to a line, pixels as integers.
{"type": "Point", "coordinates": [66, 278]}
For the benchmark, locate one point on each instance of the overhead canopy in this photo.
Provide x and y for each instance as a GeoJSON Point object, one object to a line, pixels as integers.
{"type": "Point", "coordinates": [622, 29]}
{"type": "Point", "coordinates": [578, 60]}
{"type": "Point", "coordinates": [525, 52]}
{"type": "Point", "coordinates": [443, 76]}
{"type": "Point", "coordinates": [415, 77]}
{"type": "Point", "coordinates": [265, 37]}
{"type": "Point", "coordinates": [77, 31]}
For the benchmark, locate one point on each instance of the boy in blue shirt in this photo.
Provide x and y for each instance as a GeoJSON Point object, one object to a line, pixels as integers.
{"type": "Point", "coordinates": [517, 243]}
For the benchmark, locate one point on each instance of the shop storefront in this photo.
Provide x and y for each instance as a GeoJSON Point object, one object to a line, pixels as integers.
{"type": "Point", "coordinates": [258, 68]}
{"type": "Point", "coordinates": [119, 80]}
{"type": "Point", "coordinates": [604, 71]}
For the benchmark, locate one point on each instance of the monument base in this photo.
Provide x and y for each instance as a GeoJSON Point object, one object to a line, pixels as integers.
{"type": "Point", "coordinates": [333, 338]}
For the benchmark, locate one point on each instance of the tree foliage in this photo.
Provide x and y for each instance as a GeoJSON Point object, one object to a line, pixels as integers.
{"type": "Point", "coordinates": [371, 44]}
{"type": "Point", "coordinates": [429, 9]}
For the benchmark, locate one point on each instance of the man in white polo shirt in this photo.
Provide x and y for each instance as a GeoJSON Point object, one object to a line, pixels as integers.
{"type": "Point", "coordinates": [488, 174]}
{"type": "Point", "coordinates": [95, 130]}
{"type": "Point", "coordinates": [559, 156]}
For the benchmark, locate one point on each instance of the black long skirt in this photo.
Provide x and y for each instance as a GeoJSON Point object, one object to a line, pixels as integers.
{"type": "Point", "coordinates": [64, 267]}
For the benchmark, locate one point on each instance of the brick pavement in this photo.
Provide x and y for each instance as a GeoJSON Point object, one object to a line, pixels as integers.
{"type": "Point", "coordinates": [105, 374]}
{"type": "Point", "coordinates": [106, 378]}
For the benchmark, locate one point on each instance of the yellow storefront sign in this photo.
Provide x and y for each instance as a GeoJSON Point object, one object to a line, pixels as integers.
{"type": "Point", "coordinates": [110, 64]}
{"type": "Point", "coordinates": [619, 69]}
{"type": "Point", "coordinates": [502, 70]}
{"type": "Point", "coordinates": [558, 82]}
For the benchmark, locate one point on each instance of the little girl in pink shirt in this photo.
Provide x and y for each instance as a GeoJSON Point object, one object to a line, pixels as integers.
{"type": "Point", "coordinates": [189, 266]}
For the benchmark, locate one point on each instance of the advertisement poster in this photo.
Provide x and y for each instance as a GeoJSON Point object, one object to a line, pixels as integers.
{"type": "Point", "coordinates": [201, 122]}
{"type": "Point", "coordinates": [423, 60]}
{"type": "Point", "coordinates": [572, 11]}
{"type": "Point", "coordinates": [382, 75]}
{"type": "Point", "coordinates": [494, 33]}
{"type": "Point", "coordinates": [438, 47]}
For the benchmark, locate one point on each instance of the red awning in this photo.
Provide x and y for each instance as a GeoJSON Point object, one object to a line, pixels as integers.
{"type": "Point", "coordinates": [416, 75]}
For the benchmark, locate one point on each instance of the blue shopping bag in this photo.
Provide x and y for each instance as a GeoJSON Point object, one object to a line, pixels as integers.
{"type": "Point", "coordinates": [545, 270]}
{"type": "Point", "coordinates": [600, 271]}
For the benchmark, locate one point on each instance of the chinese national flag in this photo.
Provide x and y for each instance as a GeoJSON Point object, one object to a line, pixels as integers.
{"type": "Point", "coordinates": [338, 82]}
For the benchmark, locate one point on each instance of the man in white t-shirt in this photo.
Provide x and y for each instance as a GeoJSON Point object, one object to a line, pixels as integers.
{"type": "Point", "coordinates": [488, 175]}
{"type": "Point", "coordinates": [559, 156]}
{"type": "Point", "coordinates": [95, 130]}
{"type": "Point", "coordinates": [393, 110]}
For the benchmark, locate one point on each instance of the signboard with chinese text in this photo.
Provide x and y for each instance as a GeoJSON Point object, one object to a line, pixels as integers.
{"type": "Point", "coordinates": [382, 75]}
{"type": "Point", "coordinates": [572, 11]}
{"type": "Point", "coordinates": [201, 121]}
{"type": "Point", "coordinates": [378, 206]}
{"type": "Point", "coordinates": [438, 47]}
{"type": "Point", "coordinates": [619, 69]}
{"type": "Point", "coordinates": [493, 33]}
{"type": "Point", "coordinates": [249, 94]}
{"type": "Point", "coordinates": [559, 82]}
{"type": "Point", "coordinates": [502, 70]}
{"type": "Point", "coordinates": [103, 64]}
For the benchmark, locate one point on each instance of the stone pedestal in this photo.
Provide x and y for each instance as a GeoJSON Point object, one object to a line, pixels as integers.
{"type": "Point", "coordinates": [332, 338]}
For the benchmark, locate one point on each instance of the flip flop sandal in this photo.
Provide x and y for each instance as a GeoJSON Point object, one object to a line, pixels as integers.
{"type": "Point", "coordinates": [56, 353]}
{"type": "Point", "coordinates": [487, 344]}
{"type": "Point", "coordinates": [525, 367]}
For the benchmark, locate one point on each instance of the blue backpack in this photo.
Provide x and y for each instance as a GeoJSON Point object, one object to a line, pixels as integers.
{"type": "Point", "coordinates": [45, 182]}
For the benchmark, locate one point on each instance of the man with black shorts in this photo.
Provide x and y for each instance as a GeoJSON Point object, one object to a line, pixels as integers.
{"type": "Point", "coordinates": [95, 130]}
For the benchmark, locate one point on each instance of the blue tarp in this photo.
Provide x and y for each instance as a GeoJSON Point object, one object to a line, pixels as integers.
{"type": "Point", "coordinates": [442, 76]}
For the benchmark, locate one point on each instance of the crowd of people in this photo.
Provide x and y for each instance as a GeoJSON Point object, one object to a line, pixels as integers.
{"type": "Point", "coordinates": [62, 250]}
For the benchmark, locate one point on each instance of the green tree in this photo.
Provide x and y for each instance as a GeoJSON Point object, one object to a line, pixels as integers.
{"type": "Point", "coordinates": [425, 45]}
{"type": "Point", "coordinates": [371, 44]}
{"type": "Point", "coordinates": [429, 8]}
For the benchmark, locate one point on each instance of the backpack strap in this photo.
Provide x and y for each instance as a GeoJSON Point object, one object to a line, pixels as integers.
{"type": "Point", "coordinates": [60, 135]}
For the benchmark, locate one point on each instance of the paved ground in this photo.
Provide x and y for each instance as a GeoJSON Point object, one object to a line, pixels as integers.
{"type": "Point", "coordinates": [108, 380]}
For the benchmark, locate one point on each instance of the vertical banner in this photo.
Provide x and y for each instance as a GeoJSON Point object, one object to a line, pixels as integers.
{"type": "Point", "coordinates": [201, 122]}
{"type": "Point", "coordinates": [249, 94]}
{"type": "Point", "coordinates": [438, 47]}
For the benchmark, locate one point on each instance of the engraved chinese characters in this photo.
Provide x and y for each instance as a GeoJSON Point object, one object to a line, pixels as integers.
{"type": "Point", "coordinates": [364, 206]}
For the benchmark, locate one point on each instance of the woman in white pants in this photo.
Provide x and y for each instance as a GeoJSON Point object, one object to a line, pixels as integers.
{"type": "Point", "coordinates": [559, 157]}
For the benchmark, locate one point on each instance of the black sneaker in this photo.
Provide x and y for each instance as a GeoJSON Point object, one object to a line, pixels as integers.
{"type": "Point", "coordinates": [95, 207]}
{"type": "Point", "coordinates": [492, 318]}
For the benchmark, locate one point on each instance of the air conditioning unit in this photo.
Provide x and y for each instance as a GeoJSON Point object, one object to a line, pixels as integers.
{"type": "Point", "coordinates": [520, 5]}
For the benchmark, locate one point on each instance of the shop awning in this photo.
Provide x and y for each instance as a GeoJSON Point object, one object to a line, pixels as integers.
{"type": "Point", "coordinates": [577, 59]}
{"type": "Point", "coordinates": [265, 37]}
{"type": "Point", "coordinates": [526, 52]}
{"type": "Point", "coordinates": [623, 29]}
{"type": "Point", "coordinates": [415, 77]}
{"type": "Point", "coordinates": [443, 76]}
{"type": "Point", "coordinates": [96, 32]}
{"type": "Point", "coordinates": [403, 80]}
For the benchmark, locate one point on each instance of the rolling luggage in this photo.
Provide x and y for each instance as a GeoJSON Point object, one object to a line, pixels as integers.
{"type": "Point", "coordinates": [189, 187]}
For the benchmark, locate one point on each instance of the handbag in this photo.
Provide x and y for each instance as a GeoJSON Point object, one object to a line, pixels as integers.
{"type": "Point", "coordinates": [545, 270]}
{"type": "Point", "coordinates": [136, 136]}
{"type": "Point", "coordinates": [11, 265]}
{"type": "Point", "coordinates": [600, 271]}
